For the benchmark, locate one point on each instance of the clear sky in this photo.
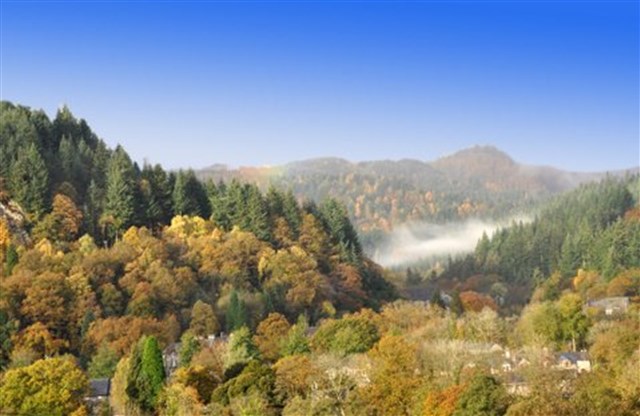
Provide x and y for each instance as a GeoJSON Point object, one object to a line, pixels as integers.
{"type": "Point", "coordinates": [260, 83]}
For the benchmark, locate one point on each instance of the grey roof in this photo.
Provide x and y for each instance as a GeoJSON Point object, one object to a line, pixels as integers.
{"type": "Point", "coordinates": [617, 301]}
{"type": "Point", "coordinates": [174, 347]}
{"type": "Point", "coordinates": [100, 387]}
{"type": "Point", "coordinates": [573, 357]}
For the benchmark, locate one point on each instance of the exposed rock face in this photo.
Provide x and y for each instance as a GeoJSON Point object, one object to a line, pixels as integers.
{"type": "Point", "coordinates": [16, 219]}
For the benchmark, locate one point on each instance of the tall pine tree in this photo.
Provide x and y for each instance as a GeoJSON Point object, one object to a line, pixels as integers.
{"type": "Point", "coordinates": [29, 181]}
{"type": "Point", "coordinates": [119, 210]}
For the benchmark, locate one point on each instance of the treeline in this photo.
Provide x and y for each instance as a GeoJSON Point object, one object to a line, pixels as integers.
{"type": "Point", "coordinates": [70, 183]}
{"type": "Point", "coordinates": [595, 227]}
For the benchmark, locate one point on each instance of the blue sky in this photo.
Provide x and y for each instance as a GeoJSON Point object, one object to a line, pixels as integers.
{"type": "Point", "coordinates": [259, 83]}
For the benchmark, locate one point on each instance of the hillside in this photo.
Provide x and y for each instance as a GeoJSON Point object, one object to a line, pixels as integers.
{"type": "Point", "coordinates": [105, 266]}
{"type": "Point", "coordinates": [480, 182]}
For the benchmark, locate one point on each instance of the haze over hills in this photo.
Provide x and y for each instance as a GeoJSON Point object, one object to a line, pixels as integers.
{"type": "Point", "coordinates": [479, 182]}
{"type": "Point", "coordinates": [479, 163]}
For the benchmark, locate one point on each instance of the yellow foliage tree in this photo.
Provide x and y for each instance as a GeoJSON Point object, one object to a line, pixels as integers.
{"type": "Point", "coordinates": [5, 238]}
{"type": "Point", "coordinates": [53, 387]}
{"type": "Point", "coordinates": [394, 374]}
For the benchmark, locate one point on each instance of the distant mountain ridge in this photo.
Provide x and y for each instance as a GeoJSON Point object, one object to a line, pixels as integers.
{"type": "Point", "coordinates": [481, 181]}
{"type": "Point", "coordinates": [484, 162]}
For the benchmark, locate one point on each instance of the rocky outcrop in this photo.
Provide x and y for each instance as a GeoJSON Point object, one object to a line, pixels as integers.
{"type": "Point", "coordinates": [16, 220]}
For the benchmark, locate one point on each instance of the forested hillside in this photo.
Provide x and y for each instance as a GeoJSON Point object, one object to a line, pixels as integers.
{"type": "Point", "coordinates": [219, 298]}
{"type": "Point", "coordinates": [595, 227]}
{"type": "Point", "coordinates": [480, 182]}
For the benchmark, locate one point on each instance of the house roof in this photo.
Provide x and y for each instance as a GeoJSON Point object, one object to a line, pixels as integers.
{"type": "Point", "coordinates": [612, 302]}
{"type": "Point", "coordinates": [174, 347]}
{"type": "Point", "coordinates": [99, 387]}
{"type": "Point", "coordinates": [573, 357]}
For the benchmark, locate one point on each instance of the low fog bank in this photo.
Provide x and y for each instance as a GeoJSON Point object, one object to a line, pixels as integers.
{"type": "Point", "coordinates": [413, 242]}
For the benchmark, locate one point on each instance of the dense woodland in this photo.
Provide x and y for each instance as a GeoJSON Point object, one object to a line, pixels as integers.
{"type": "Point", "coordinates": [272, 308]}
{"type": "Point", "coordinates": [480, 182]}
{"type": "Point", "coordinates": [595, 227]}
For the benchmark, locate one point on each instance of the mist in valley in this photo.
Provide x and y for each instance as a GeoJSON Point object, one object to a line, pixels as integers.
{"type": "Point", "coordinates": [412, 243]}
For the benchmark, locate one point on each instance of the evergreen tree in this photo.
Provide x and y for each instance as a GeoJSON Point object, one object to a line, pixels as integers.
{"type": "Point", "coordinates": [189, 196]}
{"type": "Point", "coordinates": [236, 316]}
{"type": "Point", "coordinates": [119, 210]}
{"type": "Point", "coordinates": [218, 201]}
{"type": "Point", "coordinates": [291, 212]}
{"type": "Point", "coordinates": [29, 181]}
{"type": "Point", "coordinates": [146, 374]}
{"type": "Point", "coordinates": [436, 299]}
{"type": "Point", "coordinates": [156, 194]}
{"type": "Point", "coordinates": [8, 327]}
{"type": "Point", "coordinates": [274, 201]}
{"type": "Point", "coordinates": [455, 306]}
{"type": "Point", "coordinates": [93, 208]}
{"type": "Point", "coordinates": [235, 204]}
{"type": "Point", "coordinates": [257, 214]}
{"type": "Point", "coordinates": [340, 229]}
{"type": "Point", "coordinates": [65, 124]}
{"type": "Point", "coordinates": [11, 258]}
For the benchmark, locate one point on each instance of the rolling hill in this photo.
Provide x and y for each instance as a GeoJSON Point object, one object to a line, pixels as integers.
{"type": "Point", "coordinates": [479, 182]}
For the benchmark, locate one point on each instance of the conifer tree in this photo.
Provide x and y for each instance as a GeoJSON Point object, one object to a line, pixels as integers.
{"type": "Point", "coordinates": [218, 201]}
{"type": "Point", "coordinates": [291, 212]}
{"type": "Point", "coordinates": [236, 313]}
{"type": "Point", "coordinates": [456, 306]}
{"type": "Point", "coordinates": [29, 181]}
{"type": "Point", "coordinates": [235, 206]}
{"type": "Point", "coordinates": [146, 374]}
{"type": "Point", "coordinates": [257, 214]}
{"type": "Point", "coordinates": [274, 201]}
{"type": "Point", "coordinates": [119, 208]}
{"type": "Point", "coordinates": [336, 220]}
{"type": "Point", "coordinates": [189, 196]}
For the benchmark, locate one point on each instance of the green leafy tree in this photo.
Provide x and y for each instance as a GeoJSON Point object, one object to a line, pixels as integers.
{"type": "Point", "coordinates": [203, 319]}
{"type": "Point", "coordinates": [241, 348]}
{"type": "Point", "coordinates": [103, 363]}
{"type": "Point", "coordinates": [574, 323]}
{"type": "Point", "coordinates": [346, 336]}
{"type": "Point", "coordinates": [255, 378]}
{"type": "Point", "coordinates": [296, 341]}
{"type": "Point", "coordinates": [189, 346]}
{"type": "Point", "coordinates": [484, 396]}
